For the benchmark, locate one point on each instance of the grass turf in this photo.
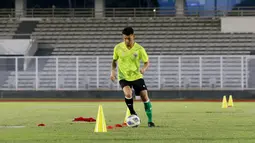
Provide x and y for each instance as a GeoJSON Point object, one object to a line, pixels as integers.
{"type": "Point", "coordinates": [184, 122]}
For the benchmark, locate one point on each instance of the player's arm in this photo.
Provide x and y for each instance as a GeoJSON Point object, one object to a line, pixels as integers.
{"type": "Point", "coordinates": [145, 60]}
{"type": "Point", "coordinates": [115, 57]}
{"type": "Point", "coordinates": [146, 66]}
{"type": "Point", "coordinates": [114, 64]}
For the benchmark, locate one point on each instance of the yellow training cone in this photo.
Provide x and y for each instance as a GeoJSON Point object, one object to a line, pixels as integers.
{"type": "Point", "coordinates": [230, 101]}
{"type": "Point", "coordinates": [127, 115]}
{"type": "Point", "coordinates": [224, 102]}
{"type": "Point", "coordinates": [100, 122]}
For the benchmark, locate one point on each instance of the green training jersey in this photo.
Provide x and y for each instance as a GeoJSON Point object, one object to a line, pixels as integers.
{"type": "Point", "coordinates": [129, 61]}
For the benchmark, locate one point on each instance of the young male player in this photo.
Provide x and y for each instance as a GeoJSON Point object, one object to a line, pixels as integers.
{"type": "Point", "coordinates": [128, 54]}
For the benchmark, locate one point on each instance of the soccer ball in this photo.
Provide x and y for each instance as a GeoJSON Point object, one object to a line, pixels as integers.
{"type": "Point", "coordinates": [133, 121]}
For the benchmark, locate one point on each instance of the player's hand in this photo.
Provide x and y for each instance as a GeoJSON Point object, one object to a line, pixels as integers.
{"type": "Point", "coordinates": [113, 75]}
{"type": "Point", "coordinates": [142, 71]}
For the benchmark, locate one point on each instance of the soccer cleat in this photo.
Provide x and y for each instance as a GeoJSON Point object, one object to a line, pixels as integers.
{"type": "Point", "coordinates": [151, 124]}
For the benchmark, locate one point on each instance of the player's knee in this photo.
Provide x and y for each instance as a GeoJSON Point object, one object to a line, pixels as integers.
{"type": "Point", "coordinates": [144, 95]}
{"type": "Point", "coordinates": [128, 95]}
{"type": "Point", "coordinates": [145, 98]}
{"type": "Point", "coordinates": [127, 92]}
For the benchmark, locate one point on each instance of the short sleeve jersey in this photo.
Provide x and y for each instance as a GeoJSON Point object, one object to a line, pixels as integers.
{"type": "Point", "coordinates": [129, 61]}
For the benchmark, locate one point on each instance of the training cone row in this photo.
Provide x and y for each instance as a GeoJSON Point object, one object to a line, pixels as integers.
{"type": "Point", "coordinates": [225, 103]}
{"type": "Point", "coordinates": [100, 121]}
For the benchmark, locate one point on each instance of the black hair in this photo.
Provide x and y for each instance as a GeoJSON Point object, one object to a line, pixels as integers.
{"type": "Point", "coordinates": [128, 31]}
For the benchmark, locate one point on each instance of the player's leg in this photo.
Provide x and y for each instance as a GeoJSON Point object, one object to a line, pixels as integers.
{"type": "Point", "coordinates": [141, 89]}
{"type": "Point", "coordinates": [127, 90]}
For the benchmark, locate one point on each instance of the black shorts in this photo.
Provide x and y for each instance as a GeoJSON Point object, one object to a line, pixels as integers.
{"type": "Point", "coordinates": [138, 85]}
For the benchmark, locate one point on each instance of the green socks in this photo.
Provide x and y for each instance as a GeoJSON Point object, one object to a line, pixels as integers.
{"type": "Point", "coordinates": [148, 110]}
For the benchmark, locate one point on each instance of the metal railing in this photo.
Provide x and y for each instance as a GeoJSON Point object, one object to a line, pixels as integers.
{"type": "Point", "coordinates": [92, 73]}
{"type": "Point", "coordinates": [125, 12]}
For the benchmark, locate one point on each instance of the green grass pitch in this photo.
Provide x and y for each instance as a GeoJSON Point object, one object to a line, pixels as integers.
{"type": "Point", "coordinates": [179, 122]}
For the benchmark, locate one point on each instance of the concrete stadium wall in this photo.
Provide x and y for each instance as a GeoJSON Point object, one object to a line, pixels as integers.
{"type": "Point", "coordinates": [157, 95]}
{"type": "Point", "coordinates": [237, 24]}
{"type": "Point", "coordinates": [17, 47]}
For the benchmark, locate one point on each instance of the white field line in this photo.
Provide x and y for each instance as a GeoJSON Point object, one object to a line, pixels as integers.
{"type": "Point", "coordinates": [14, 127]}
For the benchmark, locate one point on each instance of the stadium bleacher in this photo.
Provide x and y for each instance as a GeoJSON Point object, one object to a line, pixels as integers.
{"type": "Point", "coordinates": [8, 27]}
{"type": "Point", "coordinates": [160, 36]}
{"type": "Point", "coordinates": [93, 37]}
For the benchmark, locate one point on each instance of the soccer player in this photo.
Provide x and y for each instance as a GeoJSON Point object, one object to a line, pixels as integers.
{"type": "Point", "coordinates": [128, 55]}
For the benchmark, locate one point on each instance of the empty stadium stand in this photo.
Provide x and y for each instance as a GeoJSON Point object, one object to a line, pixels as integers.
{"type": "Point", "coordinates": [160, 36]}
{"type": "Point", "coordinates": [8, 28]}
{"type": "Point", "coordinates": [93, 37]}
